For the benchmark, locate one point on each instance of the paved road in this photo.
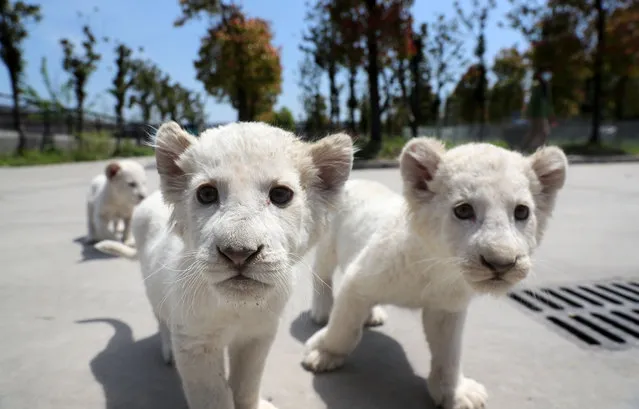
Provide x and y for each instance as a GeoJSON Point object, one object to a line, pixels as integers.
{"type": "Point", "coordinates": [76, 331]}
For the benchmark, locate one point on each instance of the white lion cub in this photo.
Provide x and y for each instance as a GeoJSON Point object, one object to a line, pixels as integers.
{"type": "Point", "coordinates": [468, 223]}
{"type": "Point", "coordinates": [244, 202]}
{"type": "Point", "coordinates": [112, 197]}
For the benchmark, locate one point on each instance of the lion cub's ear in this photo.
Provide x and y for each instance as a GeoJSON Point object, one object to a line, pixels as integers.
{"type": "Point", "coordinates": [418, 163]}
{"type": "Point", "coordinates": [111, 170]}
{"type": "Point", "coordinates": [170, 143]}
{"type": "Point", "coordinates": [550, 164]}
{"type": "Point", "coordinates": [332, 158]}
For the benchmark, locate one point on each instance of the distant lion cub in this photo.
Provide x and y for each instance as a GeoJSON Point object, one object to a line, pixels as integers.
{"type": "Point", "coordinates": [111, 199]}
{"type": "Point", "coordinates": [467, 224]}
{"type": "Point", "coordinates": [244, 202]}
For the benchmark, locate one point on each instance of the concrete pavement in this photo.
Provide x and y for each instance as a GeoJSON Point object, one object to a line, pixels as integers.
{"type": "Point", "coordinates": [76, 331]}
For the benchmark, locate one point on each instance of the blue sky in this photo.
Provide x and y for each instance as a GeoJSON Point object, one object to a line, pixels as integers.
{"type": "Point", "coordinates": [149, 23]}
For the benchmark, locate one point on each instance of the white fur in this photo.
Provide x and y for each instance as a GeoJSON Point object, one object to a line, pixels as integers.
{"type": "Point", "coordinates": [116, 248]}
{"type": "Point", "coordinates": [111, 199]}
{"type": "Point", "coordinates": [413, 252]}
{"type": "Point", "coordinates": [202, 304]}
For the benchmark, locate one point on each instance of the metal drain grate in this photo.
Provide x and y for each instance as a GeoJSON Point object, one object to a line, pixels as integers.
{"type": "Point", "coordinates": [601, 314]}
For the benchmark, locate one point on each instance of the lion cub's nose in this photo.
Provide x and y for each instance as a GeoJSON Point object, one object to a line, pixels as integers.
{"type": "Point", "coordinates": [239, 256]}
{"type": "Point", "coordinates": [498, 267]}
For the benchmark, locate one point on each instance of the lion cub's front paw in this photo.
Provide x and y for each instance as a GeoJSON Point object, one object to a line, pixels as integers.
{"type": "Point", "coordinates": [468, 394]}
{"type": "Point", "coordinates": [319, 317]}
{"type": "Point", "coordinates": [264, 404]}
{"type": "Point", "coordinates": [376, 317]}
{"type": "Point", "coordinates": [316, 358]}
{"type": "Point", "coordinates": [167, 355]}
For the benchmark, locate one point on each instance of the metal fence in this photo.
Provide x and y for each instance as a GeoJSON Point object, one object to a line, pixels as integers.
{"type": "Point", "coordinates": [59, 126]}
{"type": "Point", "coordinates": [566, 131]}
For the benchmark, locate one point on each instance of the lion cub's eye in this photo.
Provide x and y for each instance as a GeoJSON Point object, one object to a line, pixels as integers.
{"type": "Point", "coordinates": [522, 212]}
{"type": "Point", "coordinates": [206, 194]}
{"type": "Point", "coordinates": [280, 195]}
{"type": "Point", "coordinates": [464, 211]}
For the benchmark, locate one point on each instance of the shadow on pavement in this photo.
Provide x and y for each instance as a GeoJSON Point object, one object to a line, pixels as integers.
{"type": "Point", "coordinates": [89, 252]}
{"type": "Point", "coordinates": [132, 373]}
{"type": "Point", "coordinates": [377, 375]}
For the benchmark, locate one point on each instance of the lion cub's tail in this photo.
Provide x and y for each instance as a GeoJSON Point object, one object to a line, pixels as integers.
{"type": "Point", "coordinates": [116, 248]}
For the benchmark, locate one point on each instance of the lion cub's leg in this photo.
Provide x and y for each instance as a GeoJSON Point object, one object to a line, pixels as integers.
{"type": "Point", "coordinates": [127, 237]}
{"type": "Point", "coordinates": [200, 363]}
{"type": "Point", "coordinates": [329, 346]}
{"type": "Point", "coordinates": [102, 229]}
{"type": "Point", "coordinates": [247, 358]}
{"type": "Point", "coordinates": [165, 339]}
{"type": "Point", "coordinates": [91, 230]}
{"type": "Point", "coordinates": [324, 269]}
{"type": "Point", "coordinates": [446, 384]}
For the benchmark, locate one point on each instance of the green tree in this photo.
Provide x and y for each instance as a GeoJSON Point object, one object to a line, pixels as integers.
{"type": "Point", "coordinates": [80, 68]}
{"type": "Point", "coordinates": [314, 104]}
{"type": "Point", "coordinates": [147, 76]}
{"type": "Point", "coordinates": [166, 98]}
{"type": "Point", "coordinates": [507, 94]}
{"type": "Point", "coordinates": [555, 46]}
{"type": "Point", "coordinates": [475, 23]}
{"type": "Point", "coordinates": [444, 49]}
{"type": "Point", "coordinates": [351, 51]}
{"type": "Point", "coordinates": [196, 9]}
{"type": "Point", "coordinates": [13, 31]}
{"type": "Point", "coordinates": [53, 106]}
{"type": "Point", "coordinates": [589, 13]}
{"type": "Point", "coordinates": [463, 97]}
{"type": "Point", "coordinates": [321, 42]}
{"type": "Point", "coordinates": [420, 97]}
{"type": "Point", "coordinates": [365, 114]}
{"type": "Point", "coordinates": [563, 52]}
{"type": "Point", "coordinates": [238, 63]}
{"type": "Point", "coordinates": [174, 96]}
{"type": "Point", "coordinates": [282, 118]}
{"type": "Point", "coordinates": [581, 25]}
{"type": "Point", "coordinates": [122, 82]}
{"type": "Point", "coordinates": [378, 21]}
{"type": "Point", "coordinates": [622, 57]}
{"type": "Point", "coordinates": [192, 108]}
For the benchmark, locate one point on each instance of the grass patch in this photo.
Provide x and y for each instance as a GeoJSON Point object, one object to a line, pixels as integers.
{"type": "Point", "coordinates": [94, 147]}
{"type": "Point", "coordinates": [588, 149]}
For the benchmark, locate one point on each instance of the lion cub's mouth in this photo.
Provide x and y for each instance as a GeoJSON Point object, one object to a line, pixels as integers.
{"type": "Point", "coordinates": [240, 277]}
{"type": "Point", "coordinates": [242, 282]}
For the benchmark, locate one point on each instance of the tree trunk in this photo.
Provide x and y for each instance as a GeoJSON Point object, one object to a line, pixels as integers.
{"type": "Point", "coordinates": [438, 102]}
{"type": "Point", "coordinates": [407, 99]}
{"type": "Point", "coordinates": [415, 99]}
{"type": "Point", "coordinates": [334, 93]}
{"type": "Point", "coordinates": [80, 120]}
{"type": "Point", "coordinates": [46, 141]}
{"type": "Point", "coordinates": [373, 84]}
{"type": "Point", "coordinates": [242, 105]}
{"type": "Point", "coordinates": [119, 129]}
{"type": "Point", "coordinates": [17, 124]}
{"type": "Point", "coordinates": [416, 89]}
{"type": "Point", "coordinates": [480, 94]}
{"type": "Point", "coordinates": [352, 99]}
{"type": "Point", "coordinates": [598, 68]}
